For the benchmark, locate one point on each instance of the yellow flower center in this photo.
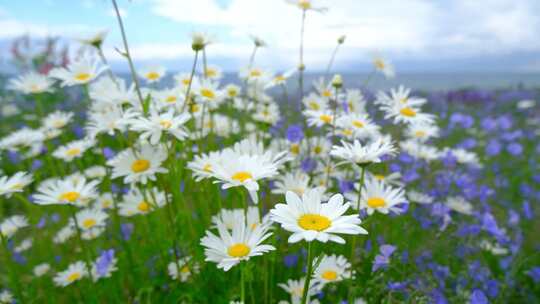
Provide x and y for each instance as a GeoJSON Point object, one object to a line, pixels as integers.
{"type": "Point", "coordinates": [184, 269]}
{"type": "Point", "coordinates": [232, 92]}
{"type": "Point", "coordinates": [280, 78]}
{"type": "Point", "coordinates": [70, 196]}
{"type": "Point", "coordinates": [409, 112]}
{"type": "Point", "coordinates": [404, 100]}
{"type": "Point", "coordinates": [317, 149]}
{"type": "Point", "coordinates": [59, 124]}
{"type": "Point", "coordinates": [89, 223]}
{"type": "Point", "coordinates": [73, 152]}
{"type": "Point", "coordinates": [242, 176]}
{"type": "Point", "coordinates": [347, 132]}
{"type": "Point", "coordinates": [185, 81]}
{"type": "Point", "coordinates": [255, 73]}
{"type": "Point", "coordinates": [326, 118]}
{"type": "Point", "coordinates": [304, 4]}
{"type": "Point", "coordinates": [326, 93]}
{"type": "Point", "coordinates": [143, 206]}
{"type": "Point", "coordinates": [314, 105]}
{"type": "Point", "coordinates": [207, 168]}
{"type": "Point", "coordinates": [34, 88]}
{"type": "Point", "coordinates": [208, 93]}
{"type": "Point", "coordinates": [329, 275]}
{"type": "Point", "coordinates": [74, 277]}
{"type": "Point", "coordinates": [194, 108]}
{"type": "Point", "coordinates": [211, 73]}
{"type": "Point", "coordinates": [420, 133]}
{"type": "Point", "coordinates": [358, 124]}
{"type": "Point", "coordinates": [140, 165]}
{"type": "Point", "coordinates": [83, 76]}
{"type": "Point", "coordinates": [238, 250]}
{"type": "Point", "coordinates": [295, 148]}
{"type": "Point", "coordinates": [171, 99]}
{"type": "Point", "coordinates": [165, 123]}
{"type": "Point", "coordinates": [376, 202]}
{"type": "Point", "coordinates": [379, 64]}
{"type": "Point", "coordinates": [314, 222]}
{"type": "Point", "coordinates": [379, 177]}
{"type": "Point", "coordinates": [152, 75]}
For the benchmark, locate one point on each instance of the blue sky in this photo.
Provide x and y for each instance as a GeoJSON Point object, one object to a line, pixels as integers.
{"type": "Point", "coordinates": [417, 35]}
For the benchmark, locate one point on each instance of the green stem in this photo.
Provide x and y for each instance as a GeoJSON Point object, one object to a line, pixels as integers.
{"type": "Point", "coordinates": [188, 90]}
{"type": "Point", "coordinates": [242, 284]}
{"type": "Point", "coordinates": [127, 54]}
{"type": "Point", "coordinates": [81, 242]}
{"type": "Point", "coordinates": [308, 274]}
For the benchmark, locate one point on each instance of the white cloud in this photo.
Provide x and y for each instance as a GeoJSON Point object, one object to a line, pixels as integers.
{"type": "Point", "coordinates": [417, 28]}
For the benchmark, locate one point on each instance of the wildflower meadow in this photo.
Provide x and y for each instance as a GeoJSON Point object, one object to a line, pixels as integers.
{"type": "Point", "coordinates": [272, 188]}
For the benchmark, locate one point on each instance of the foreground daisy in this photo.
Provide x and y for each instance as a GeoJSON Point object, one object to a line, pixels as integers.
{"type": "Point", "coordinates": [309, 219]}
{"type": "Point", "coordinates": [135, 202]}
{"type": "Point", "coordinates": [31, 83]}
{"type": "Point", "coordinates": [141, 166]}
{"type": "Point", "coordinates": [379, 196]}
{"type": "Point", "coordinates": [230, 248]}
{"type": "Point", "coordinates": [333, 268]}
{"type": "Point", "coordinates": [77, 192]}
{"type": "Point", "coordinates": [73, 273]}
{"type": "Point", "coordinates": [15, 183]}
{"type": "Point", "coordinates": [80, 71]}
{"type": "Point", "coordinates": [359, 154]}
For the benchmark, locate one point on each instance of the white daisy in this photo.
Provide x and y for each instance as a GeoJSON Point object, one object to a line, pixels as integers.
{"type": "Point", "coordinates": [80, 71]}
{"type": "Point", "coordinates": [72, 150]}
{"type": "Point", "coordinates": [156, 123]}
{"type": "Point", "coordinates": [360, 124]}
{"type": "Point", "coordinates": [135, 202]}
{"type": "Point", "coordinates": [152, 74]}
{"type": "Point", "coordinates": [187, 268]}
{"type": "Point", "coordinates": [14, 184]}
{"type": "Point", "coordinates": [310, 219]}
{"type": "Point", "coordinates": [295, 288]}
{"type": "Point", "coordinates": [315, 103]}
{"type": "Point", "coordinates": [230, 248]}
{"type": "Point", "coordinates": [64, 234]}
{"type": "Point", "coordinates": [359, 154]}
{"type": "Point", "coordinates": [378, 196]}
{"type": "Point", "coordinates": [57, 120]}
{"type": "Point", "coordinates": [90, 218]}
{"type": "Point", "coordinates": [31, 83]}
{"type": "Point", "coordinates": [139, 164]}
{"type": "Point", "coordinates": [460, 205]}
{"type": "Point", "coordinates": [419, 197]}
{"type": "Point", "coordinates": [332, 268]}
{"type": "Point", "coordinates": [12, 224]}
{"type": "Point", "coordinates": [420, 150]}
{"type": "Point", "coordinates": [41, 269]}
{"type": "Point", "coordinates": [384, 66]}
{"type": "Point", "coordinates": [73, 273]}
{"type": "Point", "coordinates": [67, 191]}
{"type": "Point", "coordinates": [421, 131]}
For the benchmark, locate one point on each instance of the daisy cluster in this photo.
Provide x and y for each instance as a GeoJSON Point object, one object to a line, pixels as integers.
{"type": "Point", "coordinates": [196, 190]}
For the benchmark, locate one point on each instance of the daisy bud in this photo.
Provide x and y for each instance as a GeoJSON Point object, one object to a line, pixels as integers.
{"type": "Point", "coordinates": [341, 39]}
{"type": "Point", "coordinates": [301, 67]}
{"type": "Point", "coordinates": [337, 81]}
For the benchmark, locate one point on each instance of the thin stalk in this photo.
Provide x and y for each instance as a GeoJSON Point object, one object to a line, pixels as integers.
{"type": "Point", "coordinates": [188, 90]}
{"type": "Point", "coordinates": [242, 284]}
{"type": "Point", "coordinates": [127, 54]}
{"type": "Point", "coordinates": [331, 62]}
{"type": "Point", "coordinates": [301, 66]}
{"type": "Point", "coordinates": [308, 274]}
{"type": "Point", "coordinates": [252, 57]}
{"type": "Point", "coordinates": [328, 160]}
{"type": "Point", "coordinates": [352, 257]}
{"type": "Point", "coordinates": [105, 62]}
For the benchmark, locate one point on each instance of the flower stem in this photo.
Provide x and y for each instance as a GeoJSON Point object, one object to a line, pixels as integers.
{"type": "Point", "coordinates": [242, 284]}
{"type": "Point", "coordinates": [188, 90]}
{"type": "Point", "coordinates": [127, 54]}
{"type": "Point", "coordinates": [81, 243]}
{"type": "Point", "coordinates": [308, 274]}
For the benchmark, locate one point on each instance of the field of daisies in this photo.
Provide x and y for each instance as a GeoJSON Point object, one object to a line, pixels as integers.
{"type": "Point", "coordinates": [270, 189]}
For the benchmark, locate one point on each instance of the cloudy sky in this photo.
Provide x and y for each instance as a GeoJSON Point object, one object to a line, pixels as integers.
{"type": "Point", "coordinates": [417, 35]}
